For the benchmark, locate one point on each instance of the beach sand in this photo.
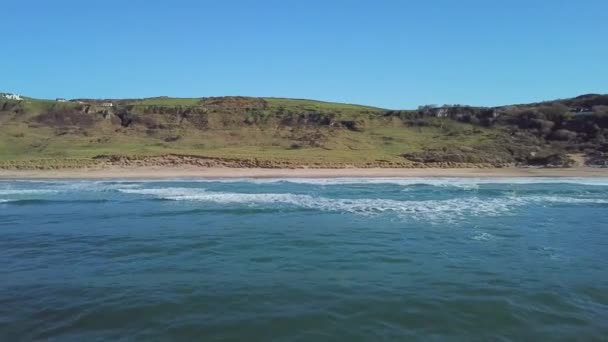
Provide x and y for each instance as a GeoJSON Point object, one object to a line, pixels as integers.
{"type": "Point", "coordinates": [218, 172]}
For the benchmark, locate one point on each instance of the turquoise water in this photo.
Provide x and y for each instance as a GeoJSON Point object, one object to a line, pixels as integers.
{"type": "Point", "coordinates": [304, 260]}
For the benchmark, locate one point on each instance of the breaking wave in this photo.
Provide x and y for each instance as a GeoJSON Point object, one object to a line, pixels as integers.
{"type": "Point", "coordinates": [94, 186]}
{"type": "Point", "coordinates": [406, 181]}
{"type": "Point", "coordinates": [427, 209]}
{"type": "Point", "coordinates": [457, 182]}
{"type": "Point", "coordinates": [25, 191]}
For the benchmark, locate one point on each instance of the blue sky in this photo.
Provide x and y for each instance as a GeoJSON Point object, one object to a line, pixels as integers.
{"type": "Point", "coordinates": [393, 54]}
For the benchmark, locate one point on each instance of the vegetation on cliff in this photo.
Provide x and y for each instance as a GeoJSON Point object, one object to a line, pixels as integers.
{"type": "Point", "coordinates": [275, 132]}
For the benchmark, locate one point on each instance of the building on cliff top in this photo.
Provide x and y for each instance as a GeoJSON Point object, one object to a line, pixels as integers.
{"type": "Point", "coordinates": [10, 96]}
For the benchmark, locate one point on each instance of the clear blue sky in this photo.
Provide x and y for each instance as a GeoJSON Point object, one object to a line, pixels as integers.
{"type": "Point", "coordinates": [394, 54]}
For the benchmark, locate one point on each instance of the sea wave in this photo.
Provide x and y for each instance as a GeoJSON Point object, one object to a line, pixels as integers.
{"type": "Point", "coordinates": [566, 200]}
{"type": "Point", "coordinates": [483, 237]}
{"type": "Point", "coordinates": [459, 182]}
{"type": "Point", "coordinates": [426, 209]}
{"type": "Point", "coordinates": [462, 182]}
{"type": "Point", "coordinates": [94, 186]}
{"type": "Point", "coordinates": [55, 187]}
{"type": "Point", "coordinates": [37, 201]}
{"type": "Point", "coordinates": [4, 192]}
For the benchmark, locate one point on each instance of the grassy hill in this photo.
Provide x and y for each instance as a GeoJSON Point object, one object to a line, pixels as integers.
{"type": "Point", "coordinates": [294, 132]}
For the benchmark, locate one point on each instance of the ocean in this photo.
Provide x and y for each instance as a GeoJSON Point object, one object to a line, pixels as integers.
{"type": "Point", "coordinates": [428, 259]}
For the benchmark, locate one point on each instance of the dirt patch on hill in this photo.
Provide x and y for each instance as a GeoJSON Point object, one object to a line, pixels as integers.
{"type": "Point", "coordinates": [209, 162]}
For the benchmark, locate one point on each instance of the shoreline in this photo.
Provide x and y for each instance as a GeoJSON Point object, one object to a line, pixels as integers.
{"type": "Point", "coordinates": [223, 172]}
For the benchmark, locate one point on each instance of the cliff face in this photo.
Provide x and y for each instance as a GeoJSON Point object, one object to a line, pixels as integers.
{"type": "Point", "coordinates": [304, 132]}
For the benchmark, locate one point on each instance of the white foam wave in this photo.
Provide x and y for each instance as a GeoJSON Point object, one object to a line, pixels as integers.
{"type": "Point", "coordinates": [566, 200]}
{"type": "Point", "coordinates": [462, 182]}
{"type": "Point", "coordinates": [483, 237]}
{"type": "Point", "coordinates": [71, 186]}
{"type": "Point", "coordinates": [197, 194]}
{"type": "Point", "coordinates": [26, 191]}
{"type": "Point", "coordinates": [95, 186]}
{"type": "Point", "coordinates": [428, 209]}
{"type": "Point", "coordinates": [466, 183]}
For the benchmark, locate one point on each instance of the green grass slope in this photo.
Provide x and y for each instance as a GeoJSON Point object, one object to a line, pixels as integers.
{"type": "Point", "coordinates": [300, 131]}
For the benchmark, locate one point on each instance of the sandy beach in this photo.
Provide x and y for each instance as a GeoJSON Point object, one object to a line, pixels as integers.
{"type": "Point", "coordinates": [201, 172]}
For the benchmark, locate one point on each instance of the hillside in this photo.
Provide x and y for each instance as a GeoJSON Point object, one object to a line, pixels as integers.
{"type": "Point", "coordinates": [276, 132]}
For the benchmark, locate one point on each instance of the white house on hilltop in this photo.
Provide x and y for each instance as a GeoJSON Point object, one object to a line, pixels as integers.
{"type": "Point", "coordinates": [107, 104]}
{"type": "Point", "coordinates": [9, 96]}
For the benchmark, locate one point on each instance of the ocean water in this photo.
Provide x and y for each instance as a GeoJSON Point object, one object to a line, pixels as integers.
{"type": "Point", "coordinates": [305, 260]}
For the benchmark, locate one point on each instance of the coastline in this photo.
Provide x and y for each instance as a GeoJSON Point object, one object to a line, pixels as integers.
{"type": "Point", "coordinates": [224, 172]}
